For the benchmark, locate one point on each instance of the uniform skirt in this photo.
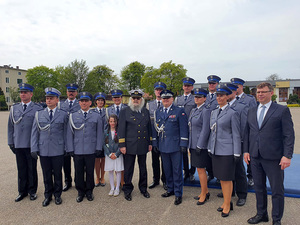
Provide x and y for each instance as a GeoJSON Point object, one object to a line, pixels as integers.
{"type": "Point", "coordinates": [114, 164]}
{"type": "Point", "coordinates": [223, 167]}
{"type": "Point", "coordinates": [199, 160]}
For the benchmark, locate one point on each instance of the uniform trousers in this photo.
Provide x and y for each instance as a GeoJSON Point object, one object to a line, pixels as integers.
{"type": "Point", "coordinates": [52, 166]}
{"type": "Point", "coordinates": [84, 174]}
{"type": "Point", "coordinates": [67, 168]}
{"type": "Point", "coordinates": [156, 167]}
{"type": "Point", "coordinates": [27, 173]}
{"type": "Point", "coordinates": [173, 171]}
{"type": "Point", "coordinates": [240, 186]}
{"type": "Point", "coordinates": [262, 168]}
{"type": "Point", "coordinates": [129, 161]}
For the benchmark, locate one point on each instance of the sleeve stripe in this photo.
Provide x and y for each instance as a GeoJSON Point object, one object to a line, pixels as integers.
{"type": "Point", "coordinates": [122, 140]}
{"type": "Point", "coordinates": [184, 139]}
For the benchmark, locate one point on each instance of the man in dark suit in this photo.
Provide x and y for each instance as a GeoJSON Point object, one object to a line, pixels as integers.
{"type": "Point", "coordinates": [135, 139]}
{"type": "Point", "coordinates": [269, 144]}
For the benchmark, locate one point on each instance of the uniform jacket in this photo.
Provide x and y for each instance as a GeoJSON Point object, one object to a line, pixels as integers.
{"type": "Point", "coordinates": [19, 133]}
{"type": "Point", "coordinates": [199, 127]}
{"type": "Point", "coordinates": [175, 133]}
{"type": "Point", "coordinates": [51, 141]}
{"type": "Point", "coordinates": [103, 116]}
{"type": "Point", "coordinates": [88, 139]}
{"type": "Point", "coordinates": [135, 131]}
{"type": "Point", "coordinates": [188, 105]}
{"type": "Point", "coordinates": [211, 103]}
{"type": "Point", "coordinates": [111, 110]}
{"type": "Point", "coordinates": [65, 106]}
{"type": "Point", "coordinates": [248, 99]}
{"type": "Point", "coordinates": [242, 109]}
{"type": "Point", "coordinates": [112, 146]}
{"type": "Point", "coordinates": [276, 136]}
{"type": "Point", "coordinates": [225, 136]}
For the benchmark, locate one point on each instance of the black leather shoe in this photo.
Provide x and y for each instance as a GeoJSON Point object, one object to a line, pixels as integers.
{"type": "Point", "coordinates": [33, 197]}
{"type": "Point", "coordinates": [196, 197]}
{"type": "Point", "coordinates": [90, 197]}
{"type": "Point", "coordinates": [79, 198]}
{"type": "Point", "coordinates": [225, 214]}
{"type": "Point", "coordinates": [251, 182]}
{"type": "Point", "coordinates": [206, 198]}
{"type": "Point", "coordinates": [146, 194]}
{"type": "Point", "coordinates": [186, 176]}
{"type": "Point", "coordinates": [165, 186]}
{"type": "Point", "coordinates": [58, 200]}
{"type": "Point", "coordinates": [277, 222]}
{"type": "Point", "coordinates": [128, 197]}
{"type": "Point", "coordinates": [46, 201]}
{"type": "Point", "coordinates": [241, 202]}
{"type": "Point", "coordinates": [167, 194]}
{"type": "Point", "coordinates": [153, 184]}
{"type": "Point", "coordinates": [178, 200]}
{"type": "Point", "coordinates": [67, 186]}
{"type": "Point", "coordinates": [192, 177]}
{"type": "Point", "coordinates": [258, 218]}
{"type": "Point", "coordinates": [19, 198]}
{"type": "Point", "coordinates": [220, 209]}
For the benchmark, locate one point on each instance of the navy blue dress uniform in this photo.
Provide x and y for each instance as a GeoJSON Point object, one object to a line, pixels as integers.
{"type": "Point", "coordinates": [48, 140]}
{"type": "Point", "coordinates": [19, 134]}
{"type": "Point", "coordinates": [70, 107]}
{"type": "Point", "coordinates": [84, 140]}
{"type": "Point", "coordinates": [114, 109]}
{"type": "Point", "coordinates": [225, 139]}
{"type": "Point", "coordinates": [211, 98]}
{"type": "Point", "coordinates": [135, 134]}
{"type": "Point", "coordinates": [244, 98]}
{"type": "Point", "coordinates": [199, 132]}
{"type": "Point", "coordinates": [188, 103]}
{"type": "Point", "coordinates": [152, 106]}
{"type": "Point", "coordinates": [171, 137]}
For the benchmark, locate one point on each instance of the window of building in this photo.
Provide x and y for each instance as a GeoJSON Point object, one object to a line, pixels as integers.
{"type": "Point", "coordinates": [283, 94]}
{"type": "Point", "coordinates": [7, 80]}
{"type": "Point", "coordinates": [19, 81]}
{"type": "Point", "coordinates": [7, 99]}
{"type": "Point", "coordinates": [19, 73]}
{"type": "Point", "coordinates": [7, 89]}
{"type": "Point", "coordinates": [6, 71]}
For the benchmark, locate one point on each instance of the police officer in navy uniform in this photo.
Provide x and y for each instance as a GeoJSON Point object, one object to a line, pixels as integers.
{"type": "Point", "coordinates": [251, 102]}
{"type": "Point", "coordinates": [118, 105]}
{"type": "Point", "coordinates": [186, 101]}
{"type": "Point", "coordinates": [152, 106]}
{"type": "Point", "coordinates": [48, 140]}
{"type": "Point", "coordinates": [84, 142]}
{"type": "Point", "coordinates": [70, 105]}
{"type": "Point", "coordinates": [135, 139]}
{"type": "Point", "coordinates": [19, 134]}
{"type": "Point", "coordinates": [172, 138]}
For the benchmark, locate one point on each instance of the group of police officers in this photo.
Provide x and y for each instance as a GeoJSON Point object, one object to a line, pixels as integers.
{"type": "Point", "coordinates": [72, 129]}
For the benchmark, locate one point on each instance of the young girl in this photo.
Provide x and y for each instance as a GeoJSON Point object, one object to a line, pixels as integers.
{"type": "Point", "coordinates": [113, 157]}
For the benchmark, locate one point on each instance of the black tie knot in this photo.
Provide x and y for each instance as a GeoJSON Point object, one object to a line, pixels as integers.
{"type": "Point", "coordinates": [25, 106]}
{"type": "Point", "coordinates": [85, 113]}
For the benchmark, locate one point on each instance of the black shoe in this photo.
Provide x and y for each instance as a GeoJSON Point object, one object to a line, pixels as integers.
{"type": "Point", "coordinates": [167, 194]}
{"type": "Point", "coordinates": [206, 198]}
{"type": "Point", "coordinates": [186, 176]}
{"type": "Point", "coordinates": [67, 186]}
{"type": "Point", "coordinates": [33, 197]}
{"type": "Point", "coordinates": [192, 177]}
{"type": "Point", "coordinates": [79, 198]}
{"type": "Point", "coordinates": [165, 186]}
{"type": "Point", "coordinates": [220, 209]}
{"type": "Point", "coordinates": [58, 200]}
{"type": "Point", "coordinates": [241, 202]}
{"type": "Point", "coordinates": [178, 200]}
{"type": "Point", "coordinates": [251, 182]}
{"type": "Point", "coordinates": [258, 218]}
{"type": "Point", "coordinates": [97, 185]}
{"type": "Point", "coordinates": [277, 222]}
{"type": "Point", "coordinates": [196, 197]}
{"type": "Point", "coordinates": [225, 214]}
{"type": "Point", "coordinates": [90, 197]}
{"type": "Point", "coordinates": [146, 194]}
{"type": "Point", "coordinates": [19, 198]}
{"type": "Point", "coordinates": [153, 184]}
{"type": "Point", "coordinates": [128, 197]}
{"type": "Point", "coordinates": [46, 201]}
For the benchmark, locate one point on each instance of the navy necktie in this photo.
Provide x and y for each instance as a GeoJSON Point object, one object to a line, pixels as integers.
{"type": "Point", "coordinates": [25, 106]}
{"type": "Point", "coordinates": [51, 114]}
{"type": "Point", "coordinates": [100, 111]}
{"type": "Point", "coordinates": [118, 110]}
{"type": "Point", "coordinates": [237, 97]}
{"type": "Point", "coordinates": [70, 105]}
{"type": "Point", "coordinates": [158, 104]}
{"type": "Point", "coordinates": [85, 113]}
{"type": "Point", "coordinates": [220, 111]}
{"type": "Point", "coordinates": [166, 112]}
{"type": "Point", "coordinates": [212, 96]}
{"type": "Point", "coordinates": [185, 98]}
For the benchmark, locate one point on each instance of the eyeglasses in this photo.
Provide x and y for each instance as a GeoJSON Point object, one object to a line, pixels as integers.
{"type": "Point", "coordinates": [136, 98]}
{"type": "Point", "coordinates": [262, 92]}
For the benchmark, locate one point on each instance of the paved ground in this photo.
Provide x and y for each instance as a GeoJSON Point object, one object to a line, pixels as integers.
{"type": "Point", "coordinates": [116, 210]}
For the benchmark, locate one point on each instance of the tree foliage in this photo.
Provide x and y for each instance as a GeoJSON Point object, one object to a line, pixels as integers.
{"type": "Point", "coordinates": [14, 94]}
{"type": "Point", "coordinates": [274, 76]}
{"type": "Point", "coordinates": [150, 77]}
{"type": "Point", "coordinates": [3, 105]}
{"type": "Point", "coordinates": [132, 74]}
{"type": "Point", "coordinates": [101, 78]}
{"type": "Point", "coordinates": [41, 77]}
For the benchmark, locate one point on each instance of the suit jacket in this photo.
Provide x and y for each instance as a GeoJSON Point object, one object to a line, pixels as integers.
{"type": "Point", "coordinates": [65, 106]}
{"type": "Point", "coordinates": [135, 131]}
{"type": "Point", "coordinates": [175, 133]}
{"type": "Point", "coordinates": [199, 127]}
{"type": "Point", "coordinates": [112, 146]}
{"type": "Point", "coordinates": [276, 136]}
{"type": "Point", "coordinates": [188, 105]}
{"type": "Point", "coordinates": [225, 138]}
{"type": "Point", "coordinates": [111, 110]}
{"type": "Point", "coordinates": [242, 108]}
{"type": "Point", "coordinates": [103, 116]}
{"type": "Point", "coordinates": [211, 103]}
{"type": "Point", "coordinates": [248, 99]}
{"type": "Point", "coordinates": [20, 124]}
{"type": "Point", "coordinates": [88, 139]}
{"type": "Point", "coordinates": [52, 141]}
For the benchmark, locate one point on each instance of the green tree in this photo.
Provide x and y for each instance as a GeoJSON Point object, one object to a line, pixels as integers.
{"type": "Point", "coordinates": [41, 77]}
{"type": "Point", "coordinates": [246, 90]}
{"type": "Point", "coordinates": [132, 74]}
{"type": "Point", "coordinates": [151, 76]}
{"type": "Point", "coordinates": [14, 94]}
{"type": "Point", "coordinates": [3, 105]}
{"type": "Point", "coordinates": [101, 78]}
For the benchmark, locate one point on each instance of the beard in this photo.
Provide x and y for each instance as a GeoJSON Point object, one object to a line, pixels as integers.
{"type": "Point", "coordinates": [136, 108]}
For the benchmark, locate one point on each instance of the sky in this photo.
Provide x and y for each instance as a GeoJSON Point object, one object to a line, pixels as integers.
{"type": "Point", "coordinates": [250, 39]}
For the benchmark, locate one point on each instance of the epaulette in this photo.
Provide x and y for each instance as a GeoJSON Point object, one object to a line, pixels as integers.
{"type": "Point", "coordinates": [250, 95]}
